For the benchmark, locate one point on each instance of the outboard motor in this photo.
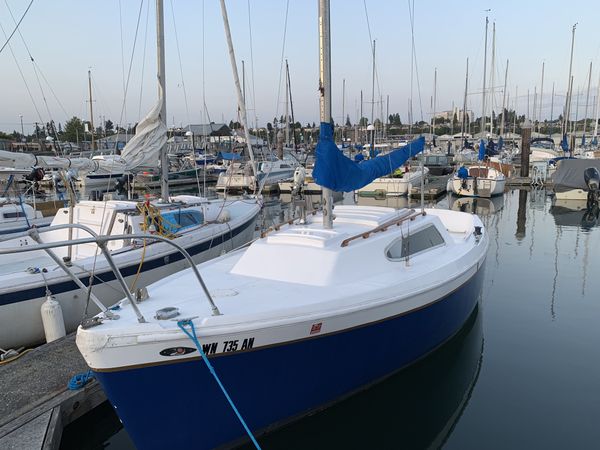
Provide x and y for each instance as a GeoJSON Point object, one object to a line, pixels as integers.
{"type": "Point", "coordinates": [36, 175]}
{"type": "Point", "coordinates": [122, 184]}
{"type": "Point", "coordinates": [592, 180]}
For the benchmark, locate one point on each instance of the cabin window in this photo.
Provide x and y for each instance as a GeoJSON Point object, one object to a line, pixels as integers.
{"type": "Point", "coordinates": [285, 166]}
{"type": "Point", "coordinates": [176, 221]}
{"type": "Point", "coordinates": [13, 215]}
{"type": "Point", "coordinates": [424, 239]}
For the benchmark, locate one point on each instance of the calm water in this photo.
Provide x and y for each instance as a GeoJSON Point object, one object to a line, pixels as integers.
{"type": "Point", "coordinates": [523, 372]}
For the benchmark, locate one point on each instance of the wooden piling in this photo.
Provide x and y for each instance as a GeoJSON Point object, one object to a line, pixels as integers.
{"type": "Point", "coordinates": [525, 146]}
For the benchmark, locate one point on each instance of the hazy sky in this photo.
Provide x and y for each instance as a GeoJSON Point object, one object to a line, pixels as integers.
{"type": "Point", "coordinates": [68, 37]}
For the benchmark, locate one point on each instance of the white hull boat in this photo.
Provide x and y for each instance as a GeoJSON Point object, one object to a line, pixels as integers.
{"type": "Point", "coordinates": [293, 333]}
{"type": "Point", "coordinates": [395, 186]}
{"type": "Point", "coordinates": [204, 228]}
{"type": "Point", "coordinates": [481, 181]}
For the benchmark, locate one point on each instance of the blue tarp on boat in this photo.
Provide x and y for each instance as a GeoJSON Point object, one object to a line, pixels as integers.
{"type": "Point", "coordinates": [335, 171]}
{"type": "Point", "coordinates": [229, 156]}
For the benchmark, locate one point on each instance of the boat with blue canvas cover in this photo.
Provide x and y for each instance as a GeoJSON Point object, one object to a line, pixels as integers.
{"type": "Point", "coordinates": [315, 310]}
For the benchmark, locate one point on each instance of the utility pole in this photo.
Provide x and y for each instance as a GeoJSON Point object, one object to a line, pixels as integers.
{"type": "Point", "coordinates": [22, 129]}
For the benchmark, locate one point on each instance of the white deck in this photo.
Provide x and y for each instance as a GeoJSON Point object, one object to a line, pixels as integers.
{"type": "Point", "coordinates": [303, 272]}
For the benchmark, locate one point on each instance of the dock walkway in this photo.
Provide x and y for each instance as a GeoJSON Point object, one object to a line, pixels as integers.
{"type": "Point", "coordinates": [35, 404]}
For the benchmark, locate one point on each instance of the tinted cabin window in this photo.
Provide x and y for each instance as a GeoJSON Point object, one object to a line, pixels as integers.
{"type": "Point", "coordinates": [13, 215]}
{"type": "Point", "coordinates": [419, 241]}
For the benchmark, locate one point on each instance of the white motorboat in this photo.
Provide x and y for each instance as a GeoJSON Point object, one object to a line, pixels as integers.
{"type": "Point", "coordinates": [396, 184]}
{"type": "Point", "coordinates": [568, 180]}
{"type": "Point", "coordinates": [239, 176]}
{"type": "Point", "coordinates": [477, 181]}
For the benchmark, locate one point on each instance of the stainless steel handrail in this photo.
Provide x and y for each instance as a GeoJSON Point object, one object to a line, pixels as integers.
{"type": "Point", "coordinates": [101, 241]}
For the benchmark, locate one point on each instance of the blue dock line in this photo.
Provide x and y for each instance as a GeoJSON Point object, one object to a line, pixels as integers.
{"type": "Point", "coordinates": [181, 324]}
{"type": "Point", "coordinates": [24, 213]}
{"type": "Point", "coordinates": [80, 380]}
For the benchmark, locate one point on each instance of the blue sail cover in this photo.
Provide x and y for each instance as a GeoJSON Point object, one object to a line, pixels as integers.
{"type": "Point", "coordinates": [594, 141]}
{"type": "Point", "coordinates": [564, 144]}
{"type": "Point", "coordinates": [481, 155]}
{"type": "Point", "coordinates": [583, 141]}
{"type": "Point", "coordinates": [335, 171]}
{"type": "Point", "coordinates": [500, 143]}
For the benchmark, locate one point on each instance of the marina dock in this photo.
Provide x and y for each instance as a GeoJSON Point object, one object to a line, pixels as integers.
{"type": "Point", "coordinates": [36, 403]}
{"type": "Point", "coordinates": [434, 188]}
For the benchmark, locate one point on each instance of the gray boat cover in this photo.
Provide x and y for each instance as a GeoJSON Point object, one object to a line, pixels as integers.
{"type": "Point", "coordinates": [569, 174]}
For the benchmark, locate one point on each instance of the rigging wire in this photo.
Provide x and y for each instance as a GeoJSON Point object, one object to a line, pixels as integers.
{"type": "Point", "coordinates": [411, 12]}
{"type": "Point", "coordinates": [122, 56]}
{"type": "Point", "coordinates": [23, 77]}
{"type": "Point", "coordinates": [252, 69]}
{"type": "Point", "coordinates": [143, 60]}
{"type": "Point", "coordinates": [287, 7]}
{"type": "Point", "coordinates": [137, 27]}
{"type": "Point", "coordinates": [16, 27]}
{"type": "Point", "coordinates": [185, 99]}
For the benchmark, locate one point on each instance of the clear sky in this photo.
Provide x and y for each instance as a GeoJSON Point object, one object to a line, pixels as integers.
{"type": "Point", "coordinates": [68, 37]}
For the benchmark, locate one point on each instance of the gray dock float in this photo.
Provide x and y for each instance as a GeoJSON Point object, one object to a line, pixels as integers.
{"type": "Point", "coordinates": [36, 405]}
{"type": "Point", "coordinates": [435, 188]}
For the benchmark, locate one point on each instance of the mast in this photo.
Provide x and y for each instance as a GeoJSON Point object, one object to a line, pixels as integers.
{"type": "Point", "coordinates": [325, 90]}
{"type": "Point", "coordinates": [160, 62]}
{"type": "Point", "coordinates": [569, 85]}
{"type": "Point", "coordinates": [492, 78]}
{"type": "Point", "coordinates": [289, 81]}
{"type": "Point", "coordinates": [91, 107]}
{"type": "Point", "coordinates": [343, 108]}
{"type": "Point", "coordinates": [597, 109]}
{"type": "Point", "coordinates": [464, 115]}
{"type": "Point", "coordinates": [541, 95]}
{"type": "Point", "coordinates": [434, 101]}
{"type": "Point", "coordinates": [287, 106]}
{"type": "Point", "coordinates": [504, 100]}
{"type": "Point", "coordinates": [515, 114]}
{"type": "Point", "coordinates": [552, 108]}
{"type": "Point", "coordinates": [482, 127]}
{"type": "Point", "coordinates": [587, 99]}
{"type": "Point", "coordinates": [240, 97]}
{"type": "Point", "coordinates": [373, 88]}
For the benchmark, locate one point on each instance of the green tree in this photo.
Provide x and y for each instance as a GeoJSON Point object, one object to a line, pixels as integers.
{"type": "Point", "coordinates": [348, 123]}
{"type": "Point", "coordinates": [73, 129]}
{"type": "Point", "coordinates": [363, 122]}
{"type": "Point", "coordinates": [109, 126]}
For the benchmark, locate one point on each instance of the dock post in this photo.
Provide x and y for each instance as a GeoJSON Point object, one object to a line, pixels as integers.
{"type": "Point", "coordinates": [525, 144]}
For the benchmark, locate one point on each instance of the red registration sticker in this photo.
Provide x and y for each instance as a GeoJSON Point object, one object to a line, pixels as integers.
{"type": "Point", "coordinates": [316, 328]}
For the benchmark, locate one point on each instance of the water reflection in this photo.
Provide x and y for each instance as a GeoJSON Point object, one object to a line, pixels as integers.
{"type": "Point", "coordinates": [521, 215]}
{"type": "Point", "coordinates": [415, 409]}
{"type": "Point", "coordinates": [574, 213]}
{"type": "Point", "coordinates": [479, 206]}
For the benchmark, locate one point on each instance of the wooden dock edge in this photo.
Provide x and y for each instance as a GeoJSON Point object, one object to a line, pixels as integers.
{"type": "Point", "coordinates": [42, 426]}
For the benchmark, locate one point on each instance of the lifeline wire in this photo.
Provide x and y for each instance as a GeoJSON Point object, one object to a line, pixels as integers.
{"type": "Point", "coordinates": [181, 324]}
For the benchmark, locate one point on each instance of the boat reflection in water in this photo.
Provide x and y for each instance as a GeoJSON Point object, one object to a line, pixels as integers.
{"type": "Point", "coordinates": [415, 409]}
{"type": "Point", "coordinates": [477, 205]}
{"type": "Point", "coordinates": [575, 213]}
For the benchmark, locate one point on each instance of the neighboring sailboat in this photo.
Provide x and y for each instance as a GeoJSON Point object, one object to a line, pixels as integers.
{"type": "Point", "coordinates": [299, 316]}
{"type": "Point", "coordinates": [477, 180]}
{"type": "Point", "coordinates": [205, 228]}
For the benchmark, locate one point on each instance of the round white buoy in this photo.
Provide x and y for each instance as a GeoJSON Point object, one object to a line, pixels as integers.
{"type": "Point", "coordinates": [52, 318]}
